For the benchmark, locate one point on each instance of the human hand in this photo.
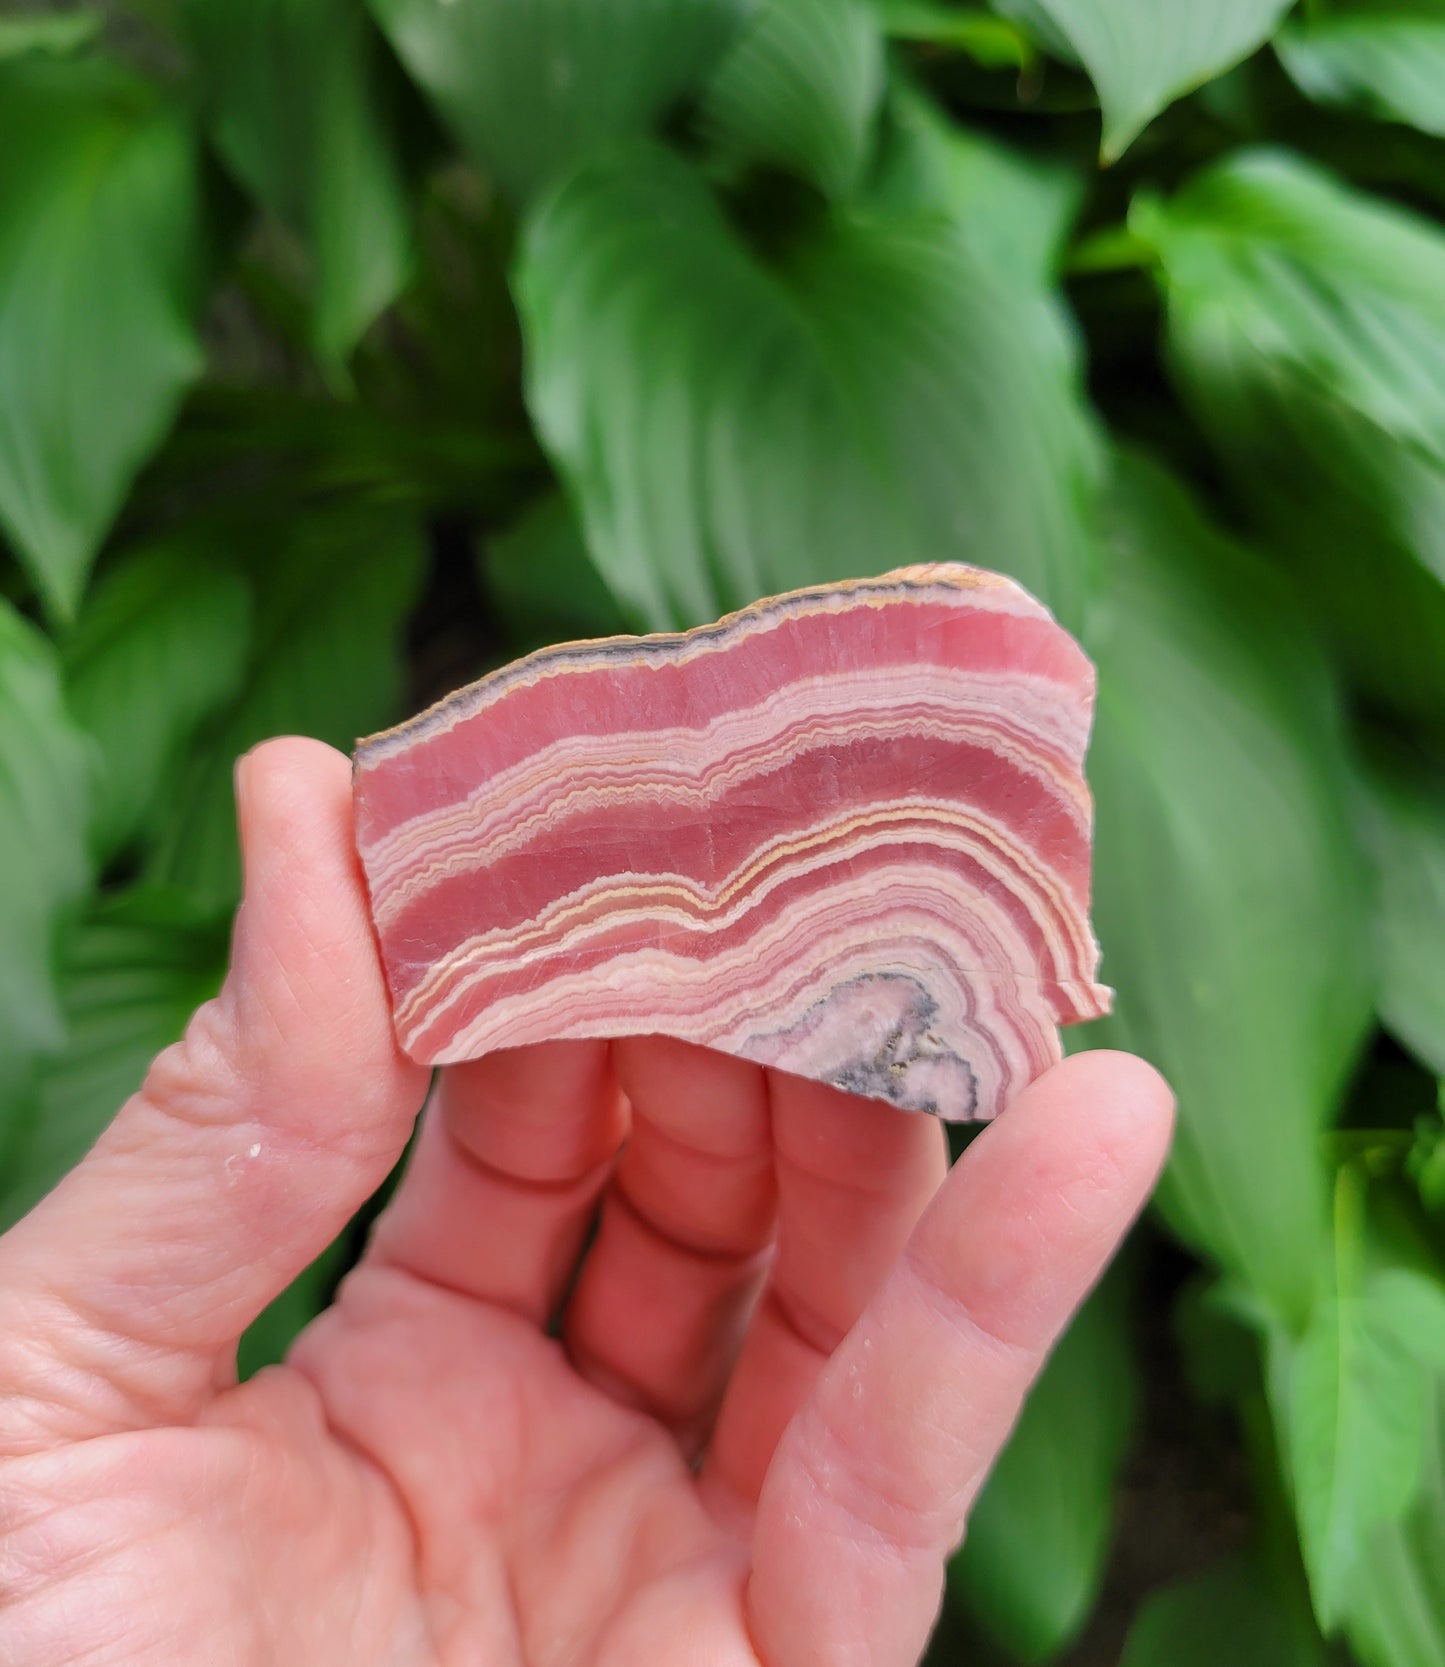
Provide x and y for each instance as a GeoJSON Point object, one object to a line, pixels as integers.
{"type": "Point", "coordinates": [432, 1479]}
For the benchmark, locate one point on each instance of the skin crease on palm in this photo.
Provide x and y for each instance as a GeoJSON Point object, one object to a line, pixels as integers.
{"type": "Point", "coordinates": [789, 1357]}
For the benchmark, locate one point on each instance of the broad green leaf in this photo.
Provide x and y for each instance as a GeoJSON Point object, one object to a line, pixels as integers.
{"type": "Point", "coordinates": [44, 864]}
{"type": "Point", "coordinates": [1404, 825]}
{"type": "Point", "coordinates": [1229, 897]}
{"type": "Point", "coordinates": [1395, 1615]}
{"type": "Point", "coordinates": [1411, 1302]}
{"type": "Point", "coordinates": [729, 429]}
{"type": "Point", "coordinates": [158, 648]}
{"type": "Point", "coordinates": [1307, 328]}
{"type": "Point", "coordinates": [993, 42]}
{"type": "Point", "coordinates": [332, 597]}
{"type": "Point", "coordinates": [1266, 254]}
{"type": "Point", "coordinates": [1039, 1534]}
{"type": "Point", "coordinates": [1236, 1613]}
{"type": "Point", "coordinates": [1357, 514]}
{"type": "Point", "coordinates": [1014, 210]}
{"type": "Point", "coordinates": [1353, 1408]}
{"type": "Point", "coordinates": [1143, 54]}
{"type": "Point", "coordinates": [1386, 60]}
{"type": "Point", "coordinates": [1352, 1395]}
{"type": "Point", "coordinates": [542, 583]}
{"type": "Point", "coordinates": [533, 86]}
{"type": "Point", "coordinates": [136, 968]}
{"type": "Point", "coordinates": [99, 283]}
{"type": "Point", "coordinates": [800, 89]}
{"type": "Point", "coordinates": [301, 110]}
{"type": "Point", "coordinates": [48, 31]}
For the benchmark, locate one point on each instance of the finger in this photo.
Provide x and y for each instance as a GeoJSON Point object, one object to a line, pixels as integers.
{"type": "Point", "coordinates": [868, 1492]}
{"type": "Point", "coordinates": [854, 1176]}
{"type": "Point", "coordinates": [665, 1291]}
{"type": "Point", "coordinates": [504, 1181]}
{"type": "Point", "coordinates": [250, 1144]}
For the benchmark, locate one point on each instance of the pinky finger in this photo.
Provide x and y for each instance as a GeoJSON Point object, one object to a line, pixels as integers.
{"type": "Point", "coordinates": [872, 1481]}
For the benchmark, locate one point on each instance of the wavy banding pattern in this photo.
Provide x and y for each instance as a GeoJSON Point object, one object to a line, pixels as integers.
{"type": "Point", "coordinates": [844, 832]}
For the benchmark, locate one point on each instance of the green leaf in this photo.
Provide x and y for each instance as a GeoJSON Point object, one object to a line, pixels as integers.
{"type": "Point", "coordinates": [1352, 1395]}
{"type": "Point", "coordinates": [159, 647]}
{"type": "Point", "coordinates": [1386, 61]}
{"type": "Point", "coordinates": [48, 31]}
{"type": "Point", "coordinates": [1032, 1562]}
{"type": "Point", "coordinates": [993, 42]}
{"type": "Point", "coordinates": [800, 89]}
{"type": "Point", "coordinates": [533, 86]}
{"type": "Point", "coordinates": [1229, 897]}
{"type": "Point", "coordinates": [542, 583]}
{"type": "Point", "coordinates": [301, 110]}
{"type": "Point", "coordinates": [1234, 1613]}
{"type": "Point", "coordinates": [1014, 210]}
{"type": "Point", "coordinates": [1353, 1411]}
{"type": "Point", "coordinates": [1396, 1611]}
{"type": "Point", "coordinates": [729, 429]}
{"type": "Point", "coordinates": [1143, 54]}
{"type": "Point", "coordinates": [1266, 253]}
{"type": "Point", "coordinates": [135, 970]}
{"type": "Point", "coordinates": [1404, 825]}
{"type": "Point", "coordinates": [44, 864]}
{"type": "Point", "coordinates": [100, 268]}
{"type": "Point", "coordinates": [1307, 329]}
{"type": "Point", "coordinates": [1411, 1303]}
{"type": "Point", "coordinates": [1357, 515]}
{"type": "Point", "coordinates": [332, 597]}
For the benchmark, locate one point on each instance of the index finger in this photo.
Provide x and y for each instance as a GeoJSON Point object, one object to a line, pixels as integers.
{"type": "Point", "coordinates": [512, 1156]}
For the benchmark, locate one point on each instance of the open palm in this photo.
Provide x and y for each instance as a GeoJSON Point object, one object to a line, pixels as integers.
{"type": "Point", "coordinates": [782, 1368]}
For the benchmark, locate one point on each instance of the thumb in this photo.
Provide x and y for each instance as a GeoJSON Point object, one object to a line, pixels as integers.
{"type": "Point", "coordinates": [245, 1151]}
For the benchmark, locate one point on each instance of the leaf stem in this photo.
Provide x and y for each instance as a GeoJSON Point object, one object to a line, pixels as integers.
{"type": "Point", "coordinates": [1115, 249]}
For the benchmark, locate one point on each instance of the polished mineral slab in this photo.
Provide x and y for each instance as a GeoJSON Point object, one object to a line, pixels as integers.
{"type": "Point", "coordinates": [844, 832]}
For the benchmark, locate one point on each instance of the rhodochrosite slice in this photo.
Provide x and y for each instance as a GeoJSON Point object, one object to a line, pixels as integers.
{"type": "Point", "coordinates": [844, 832]}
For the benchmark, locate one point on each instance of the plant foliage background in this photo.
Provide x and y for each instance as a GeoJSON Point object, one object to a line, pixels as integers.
{"type": "Point", "coordinates": [346, 350]}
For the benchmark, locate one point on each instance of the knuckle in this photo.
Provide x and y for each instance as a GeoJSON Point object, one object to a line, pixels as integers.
{"type": "Point", "coordinates": [197, 1080]}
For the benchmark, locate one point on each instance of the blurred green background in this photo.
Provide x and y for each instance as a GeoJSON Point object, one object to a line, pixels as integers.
{"type": "Point", "coordinates": [349, 350]}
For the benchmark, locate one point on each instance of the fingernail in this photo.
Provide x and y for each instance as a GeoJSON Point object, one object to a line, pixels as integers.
{"type": "Point", "coordinates": [244, 790]}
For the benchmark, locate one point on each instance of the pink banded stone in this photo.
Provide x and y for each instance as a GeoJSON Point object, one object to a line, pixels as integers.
{"type": "Point", "coordinates": [844, 832]}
